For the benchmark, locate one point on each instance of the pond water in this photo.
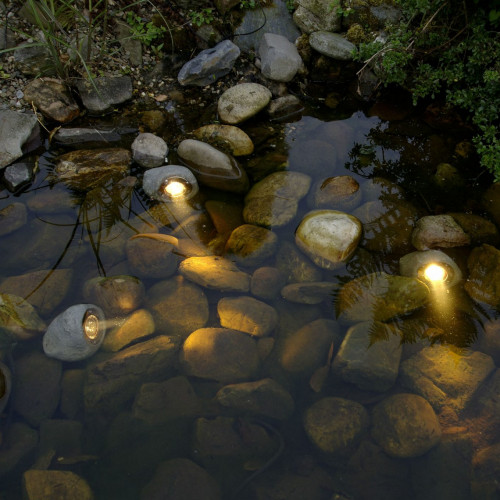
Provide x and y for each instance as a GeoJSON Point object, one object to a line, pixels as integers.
{"type": "Point", "coordinates": [328, 424]}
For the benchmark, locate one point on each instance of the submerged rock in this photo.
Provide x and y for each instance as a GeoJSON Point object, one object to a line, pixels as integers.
{"type": "Point", "coordinates": [295, 266]}
{"type": "Point", "coordinates": [369, 356]}
{"type": "Point", "coordinates": [18, 319]}
{"type": "Point", "coordinates": [152, 256]}
{"type": "Point", "coordinates": [328, 237]}
{"type": "Point", "coordinates": [250, 245]}
{"type": "Point", "coordinates": [82, 135]}
{"type": "Point", "coordinates": [215, 272]}
{"type": "Point", "coordinates": [263, 397]}
{"type": "Point", "coordinates": [37, 387]}
{"type": "Point", "coordinates": [46, 289]}
{"type": "Point", "coordinates": [115, 294]}
{"type": "Point", "coordinates": [387, 225]}
{"type": "Point", "coordinates": [85, 168]}
{"type": "Point", "coordinates": [181, 479]}
{"type": "Point", "coordinates": [380, 297]}
{"type": "Point", "coordinates": [220, 354]}
{"type": "Point", "coordinates": [336, 426]}
{"type": "Point", "coordinates": [52, 98]}
{"type": "Point", "coordinates": [39, 484]}
{"type": "Point", "coordinates": [209, 65]}
{"type": "Point", "coordinates": [241, 102]}
{"type": "Point", "coordinates": [267, 282]}
{"type": "Point", "coordinates": [438, 231]}
{"type": "Point", "coordinates": [483, 283]}
{"type": "Point", "coordinates": [128, 330]}
{"type": "Point", "coordinates": [12, 217]}
{"type": "Point", "coordinates": [248, 315]}
{"type": "Point", "coordinates": [307, 348]}
{"type": "Point", "coordinates": [178, 306]}
{"type": "Point", "coordinates": [213, 167]}
{"type": "Point", "coordinates": [112, 382]}
{"type": "Point", "coordinates": [405, 426]}
{"type": "Point", "coordinates": [313, 292]}
{"type": "Point", "coordinates": [273, 201]}
{"type": "Point", "coordinates": [445, 377]}
{"type": "Point", "coordinates": [339, 193]}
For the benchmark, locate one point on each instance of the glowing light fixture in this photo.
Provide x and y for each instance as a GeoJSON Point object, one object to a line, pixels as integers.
{"type": "Point", "coordinates": [435, 273]}
{"type": "Point", "coordinates": [76, 333]}
{"type": "Point", "coordinates": [432, 266]}
{"type": "Point", "coordinates": [170, 183]}
{"type": "Point", "coordinates": [91, 326]}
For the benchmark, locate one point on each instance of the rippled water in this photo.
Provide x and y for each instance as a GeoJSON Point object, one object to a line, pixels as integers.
{"type": "Point", "coordinates": [118, 453]}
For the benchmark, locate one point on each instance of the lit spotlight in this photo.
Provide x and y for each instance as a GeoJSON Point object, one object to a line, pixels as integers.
{"type": "Point", "coordinates": [76, 333]}
{"type": "Point", "coordinates": [435, 273]}
{"type": "Point", "coordinates": [176, 187]}
{"type": "Point", "coordinates": [170, 183]}
{"type": "Point", "coordinates": [432, 266]}
{"type": "Point", "coordinates": [91, 326]}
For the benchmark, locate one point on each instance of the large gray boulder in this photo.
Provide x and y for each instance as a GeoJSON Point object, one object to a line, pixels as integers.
{"type": "Point", "coordinates": [209, 65]}
{"type": "Point", "coordinates": [280, 59]}
{"type": "Point", "coordinates": [15, 131]}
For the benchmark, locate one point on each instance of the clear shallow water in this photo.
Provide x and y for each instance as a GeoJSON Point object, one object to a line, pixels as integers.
{"type": "Point", "coordinates": [119, 452]}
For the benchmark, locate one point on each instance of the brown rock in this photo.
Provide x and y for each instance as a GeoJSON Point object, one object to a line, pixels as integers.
{"type": "Point", "coordinates": [52, 98]}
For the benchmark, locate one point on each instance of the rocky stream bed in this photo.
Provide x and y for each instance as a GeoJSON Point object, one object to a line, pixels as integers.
{"type": "Point", "coordinates": [270, 334]}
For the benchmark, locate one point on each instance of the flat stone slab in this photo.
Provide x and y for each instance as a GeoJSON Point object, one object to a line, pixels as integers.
{"type": "Point", "coordinates": [104, 93]}
{"type": "Point", "coordinates": [444, 377]}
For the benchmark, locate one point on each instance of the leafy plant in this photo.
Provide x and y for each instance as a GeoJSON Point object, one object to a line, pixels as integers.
{"type": "Point", "coordinates": [448, 48]}
{"type": "Point", "coordinates": [203, 16]}
{"type": "Point", "coordinates": [145, 32]}
{"type": "Point", "coordinates": [248, 4]}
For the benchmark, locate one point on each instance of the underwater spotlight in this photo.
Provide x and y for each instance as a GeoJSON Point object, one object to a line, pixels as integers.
{"type": "Point", "coordinates": [431, 266]}
{"type": "Point", "coordinates": [435, 273]}
{"type": "Point", "coordinates": [76, 333]}
{"type": "Point", "coordinates": [170, 183]}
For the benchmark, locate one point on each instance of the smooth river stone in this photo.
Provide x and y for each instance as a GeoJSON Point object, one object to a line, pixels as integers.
{"type": "Point", "coordinates": [438, 231]}
{"type": "Point", "coordinates": [273, 201]}
{"type": "Point", "coordinates": [242, 101]}
{"type": "Point", "coordinates": [369, 356]}
{"type": "Point", "coordinates": [213, 167]}
{"type": "Point", "coordinates": [116, 295]}
{"type": "Point", "coordinates": [332, 45]}
{"type": "Point", "coordinates": [336, 426]}
{"type": "Point", "coordinates": [251, 245]}
{"type": "Point", "coordinates": [483, 284]}
{"type": "Point", "coordinates": [18, 319]}
{"type": "Point", "coordinates": [405, 426]}
{"type": "Point", "coordinates": [46, 289]}
{"type": "Point", "coordinates": [12, 217]}
{"type": "Point", "coordinates": [135, 327]}
{"type": "Point", "coordinates": [216, 273]}
{"type": "Point", "coordinates": [339, 193]}
{"type": "Point", "coordinates": [328, 237]}
{"type": "Point", "coordinates": [220, 354]}
{"type": "Point", "coordinates": [313, 292]}
{"type": "Point", "coordinates": [178, 306]}
{"type": "Point", "coordinates": [380, 297]}
{"type": "Point", "coordinates": [226, 137]}
{"type": "Point", "coordinates": [248, 315]}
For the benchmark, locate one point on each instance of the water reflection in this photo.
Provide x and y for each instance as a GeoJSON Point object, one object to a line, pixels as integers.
{"type": "Point", "coordinates": [259, 326]}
